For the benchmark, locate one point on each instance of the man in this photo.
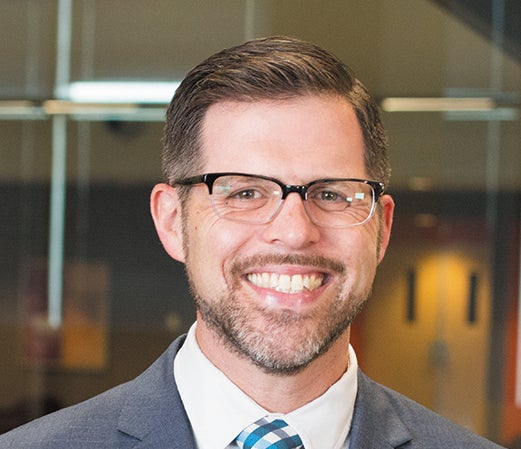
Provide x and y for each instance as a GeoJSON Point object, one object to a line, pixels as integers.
{"type": "Point", "coordinates": [275, 162]}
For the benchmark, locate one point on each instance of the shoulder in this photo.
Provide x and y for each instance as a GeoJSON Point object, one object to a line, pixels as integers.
{"type": "Point", "coordinates": [93, 420]}
{"type": "Point", "coordinates": [117, 418]}
{"type": "Point", "coordinates": [404, 419]}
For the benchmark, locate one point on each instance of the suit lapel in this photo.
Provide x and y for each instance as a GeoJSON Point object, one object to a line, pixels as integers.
{"type": "Point", "coordinates": [153, 412]}
{"type": "Point", "coordinates": [376, 424]}
{"type": "Point", "coordinates": [154, 416]}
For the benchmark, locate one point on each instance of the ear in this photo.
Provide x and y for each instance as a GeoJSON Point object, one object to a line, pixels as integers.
{"type": "Point", "coordinates": [165, 208]}
{"type": "Point", "coordinates": [387, 205]}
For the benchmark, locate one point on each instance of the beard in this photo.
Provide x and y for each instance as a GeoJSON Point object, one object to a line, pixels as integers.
{"type": "Point", "coordinates": [279, 341]}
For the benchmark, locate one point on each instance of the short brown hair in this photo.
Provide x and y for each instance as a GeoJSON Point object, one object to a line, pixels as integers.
{"type": "Point", "coordinates": [263, 69]}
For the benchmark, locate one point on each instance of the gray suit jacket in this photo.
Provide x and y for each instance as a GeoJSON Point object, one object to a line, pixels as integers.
{"type": "Point", "coordinates": [147, 413]}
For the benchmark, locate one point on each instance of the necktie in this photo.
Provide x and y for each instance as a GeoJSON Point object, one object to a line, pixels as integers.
{"type": "Point", "coordinates": [269, 433]}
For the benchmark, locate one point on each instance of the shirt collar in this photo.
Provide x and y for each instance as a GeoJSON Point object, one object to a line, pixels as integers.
{"type": "Point", "coordinates": [218, 410]}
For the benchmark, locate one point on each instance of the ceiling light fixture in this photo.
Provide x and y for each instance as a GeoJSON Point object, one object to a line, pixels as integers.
{"type": "Point", "coordinates": [140, 92]}
{"type": "Point", "coordinates": [437, 104]}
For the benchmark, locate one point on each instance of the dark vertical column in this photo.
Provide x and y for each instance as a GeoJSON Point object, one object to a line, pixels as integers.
{"type": "Point", "coordinates": [504, 276]}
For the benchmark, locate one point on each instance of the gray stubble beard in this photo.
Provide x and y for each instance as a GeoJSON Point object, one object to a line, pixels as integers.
{"type": "Point", "coordinates": [228, 320]}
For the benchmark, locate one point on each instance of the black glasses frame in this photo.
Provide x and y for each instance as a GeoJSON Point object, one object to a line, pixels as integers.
{"type": "Point", "coordinates": [209, 179]}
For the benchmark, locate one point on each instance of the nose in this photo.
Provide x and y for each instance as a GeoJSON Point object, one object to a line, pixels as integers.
{"type": "Point", "coordinates": [292, 226]}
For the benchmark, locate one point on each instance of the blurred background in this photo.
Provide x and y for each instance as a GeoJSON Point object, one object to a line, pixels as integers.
{"type": "Point", "coordinates": [88, 298]}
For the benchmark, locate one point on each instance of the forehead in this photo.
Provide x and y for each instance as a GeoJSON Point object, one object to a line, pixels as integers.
{"type": "Point", "coordinates": [304, 137]}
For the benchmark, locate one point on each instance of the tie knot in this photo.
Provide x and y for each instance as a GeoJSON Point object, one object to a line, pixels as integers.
{"type": "Point", "coordinates": [269, 433]}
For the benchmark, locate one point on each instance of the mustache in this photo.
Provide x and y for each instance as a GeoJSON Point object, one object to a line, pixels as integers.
{"type": "Point", "coordinates": [319, 262]}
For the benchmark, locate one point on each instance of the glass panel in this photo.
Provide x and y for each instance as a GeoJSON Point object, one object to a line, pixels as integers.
{"type": "Point", "coordinates": [159, 41]}
{"type": "Point", "coordinates": [448, 289]}
{"type": "Point", "coordinates": [28, 43]}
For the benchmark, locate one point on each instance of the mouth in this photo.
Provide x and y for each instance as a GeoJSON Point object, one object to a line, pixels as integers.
{"type": "Point", "coordinates": [286, 283]}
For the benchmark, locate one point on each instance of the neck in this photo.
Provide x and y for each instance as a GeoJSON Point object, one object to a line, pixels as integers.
{"type": "Point", "coordinates": [275, 392]}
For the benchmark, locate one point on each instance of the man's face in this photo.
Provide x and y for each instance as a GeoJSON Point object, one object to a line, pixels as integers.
{"type": "Point", "coordinates": [239, 273]}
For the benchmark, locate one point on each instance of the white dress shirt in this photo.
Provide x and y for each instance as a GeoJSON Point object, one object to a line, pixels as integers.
{"type": "Point", "coordinates": [218, 410]}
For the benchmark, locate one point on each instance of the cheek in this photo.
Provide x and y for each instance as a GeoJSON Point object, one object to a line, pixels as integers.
{"type": "Point", "coordinates": [213, 245]}
{"type": "Point", "coordinates": [359, 249]}
{"type": "Point", "coordinates": [360, 242]}
{"type": "Point", "coordinates": [373, 240]}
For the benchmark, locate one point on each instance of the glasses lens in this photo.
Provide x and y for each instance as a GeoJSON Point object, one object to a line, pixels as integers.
{"type": "Point", "coordinates": [340, 203]}
{"type": "Point", "coordinates": [245, 198]}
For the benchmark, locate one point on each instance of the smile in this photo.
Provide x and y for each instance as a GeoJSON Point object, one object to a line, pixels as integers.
{"type": "Point", "coordinates": [286, 283]}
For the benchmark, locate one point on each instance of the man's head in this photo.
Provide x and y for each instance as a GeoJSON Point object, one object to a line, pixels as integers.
{"type": "Point", "coordinates": [273, 68]}
{"type": "Point", "coordinates": [281, 255]}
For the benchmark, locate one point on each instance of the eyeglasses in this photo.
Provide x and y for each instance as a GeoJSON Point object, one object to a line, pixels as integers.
{"type": "Point", "coordinates": [255, 199]}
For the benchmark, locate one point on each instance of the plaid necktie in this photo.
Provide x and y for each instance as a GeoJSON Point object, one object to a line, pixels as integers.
{"type": "Point", "coordinates": [269, 433]}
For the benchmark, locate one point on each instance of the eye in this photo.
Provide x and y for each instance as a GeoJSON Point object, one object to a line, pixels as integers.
{"type": "Point", "coordinates": [329, 196]}
{"type": "Point", "coordinates": [334, 196]}
{"type": "Point", "coordinates": [245, 195]}
{"type": "Point", "coordinates": [231, 189]}
{"type": "Point", "coordinates": [244, 192]}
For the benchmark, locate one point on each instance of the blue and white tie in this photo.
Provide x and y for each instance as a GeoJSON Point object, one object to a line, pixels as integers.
{"type": "Point", "coordinates": [269, 433]}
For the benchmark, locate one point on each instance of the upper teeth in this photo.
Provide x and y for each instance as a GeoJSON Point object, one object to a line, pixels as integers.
{"type": "Point", "coordinates": [285, 283]}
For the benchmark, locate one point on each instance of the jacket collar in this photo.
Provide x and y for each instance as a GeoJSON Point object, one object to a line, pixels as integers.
{"type": "Point", "coordinates": [375, 422]}
{"type": "Point", "coordinates": [153, 412]}
{"type": "Point", "coordinates": [154, 415]}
